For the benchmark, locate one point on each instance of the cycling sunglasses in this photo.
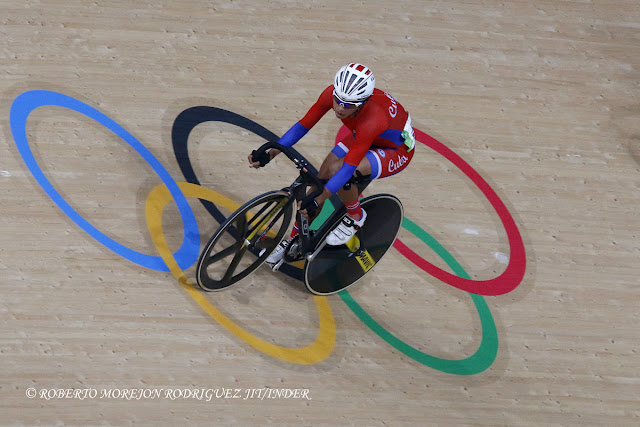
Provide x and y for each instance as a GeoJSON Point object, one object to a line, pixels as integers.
{"type": "Point", "coordinates": [344, 104]}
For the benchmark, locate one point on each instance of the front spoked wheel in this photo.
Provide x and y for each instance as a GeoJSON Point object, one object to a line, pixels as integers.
{"type": "Point", "coordinates": [336, 268]}
{"type": "Point", "coordinates": [244, 241]}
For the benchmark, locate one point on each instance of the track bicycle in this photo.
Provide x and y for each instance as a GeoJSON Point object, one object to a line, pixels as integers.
{"type": "Point", "coordinates": [249, 235]}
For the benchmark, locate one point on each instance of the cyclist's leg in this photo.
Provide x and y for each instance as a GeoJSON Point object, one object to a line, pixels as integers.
{"type": "Point", "coordinates": [332, 164]}
{"type": "Point", "coordinates": [389, 161]}
{"type": "Point", "coordinates": [379, 162]}
{"type": "Point", "coordinates": [349, 194]}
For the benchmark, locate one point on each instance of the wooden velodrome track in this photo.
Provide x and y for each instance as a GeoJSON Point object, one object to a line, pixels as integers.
{"type": "Point", "coordinates": [540, 98]}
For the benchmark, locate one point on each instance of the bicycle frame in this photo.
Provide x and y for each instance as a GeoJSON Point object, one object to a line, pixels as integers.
{"type": "Point", "coordinates": [259, 226]}
{"type": "Point", "coordinates": [310, 244]}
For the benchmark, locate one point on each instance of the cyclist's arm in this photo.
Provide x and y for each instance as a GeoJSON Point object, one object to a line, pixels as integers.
{"type": "Point", "coordinates": [313, 116]}
{"type": "Point", "coordinates": [365, 134]}
{"type": "Point", "coordinates": [300, 129]}
{"type": "Point", "coordinates": [340, 178]}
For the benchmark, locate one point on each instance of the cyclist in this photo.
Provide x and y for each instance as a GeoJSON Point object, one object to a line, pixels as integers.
{"type": "Point", "coordinates": [380, 143]}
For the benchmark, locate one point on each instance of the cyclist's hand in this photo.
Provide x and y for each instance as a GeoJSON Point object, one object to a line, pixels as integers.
{"type": "Point", "coordinates": [267, 156]}
{"type": "Point", "coordinates": [253, 164]}
{"type": "Point", "coordinates": [308, 207]}
{"type": "Point", "coordinates": [259, 161]}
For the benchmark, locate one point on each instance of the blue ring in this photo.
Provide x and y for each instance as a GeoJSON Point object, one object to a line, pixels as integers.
{"type": "Point", "coordinates": [25, 103]}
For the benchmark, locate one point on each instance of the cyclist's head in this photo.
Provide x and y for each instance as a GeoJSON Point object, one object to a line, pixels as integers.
{"type": "Point", "coordinates": [353, 85]}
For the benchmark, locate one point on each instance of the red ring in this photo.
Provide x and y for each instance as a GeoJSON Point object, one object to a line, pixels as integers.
{"type": "Point", "coordinates": [514, 273]}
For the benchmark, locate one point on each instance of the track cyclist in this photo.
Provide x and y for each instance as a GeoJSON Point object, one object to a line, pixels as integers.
{"type": "Point", "coordinates": [380, 144]}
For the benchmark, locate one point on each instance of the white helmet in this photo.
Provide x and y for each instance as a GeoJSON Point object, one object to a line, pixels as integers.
{"type": "Point", "coordinates": [354, 83]}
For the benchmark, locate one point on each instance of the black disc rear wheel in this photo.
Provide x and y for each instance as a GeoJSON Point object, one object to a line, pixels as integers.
{"type": "Point", "coordinates": [337, 267]}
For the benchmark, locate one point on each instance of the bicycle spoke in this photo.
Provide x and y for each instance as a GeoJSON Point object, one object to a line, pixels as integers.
{"type": "Point", "coordinates": [222, 254]}
{"type": "Point", "coordinates": [241, 226]}
{"type": "Point", "coordinates": [234, 264]}
{"type": "Point", "coordinates": [238, 247]}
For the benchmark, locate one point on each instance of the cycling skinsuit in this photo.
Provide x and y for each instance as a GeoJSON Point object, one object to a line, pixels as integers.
{"type": "Point", "coordinates": [381, 131]}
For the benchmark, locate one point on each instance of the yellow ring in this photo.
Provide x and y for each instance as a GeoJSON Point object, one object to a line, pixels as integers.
{"type": "Point", "coordinates": [315, 352]}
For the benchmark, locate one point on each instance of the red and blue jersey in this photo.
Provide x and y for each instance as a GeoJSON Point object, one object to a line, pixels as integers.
{"type": "Point", "coordinates": [378, 124]}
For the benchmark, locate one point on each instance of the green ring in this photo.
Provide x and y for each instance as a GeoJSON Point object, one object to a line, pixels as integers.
{"type": "Point", "coordinates": [476, 363]}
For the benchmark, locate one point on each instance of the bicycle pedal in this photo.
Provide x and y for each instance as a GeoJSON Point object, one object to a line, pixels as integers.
{"type": "Point", "coordinates": [277, 265]}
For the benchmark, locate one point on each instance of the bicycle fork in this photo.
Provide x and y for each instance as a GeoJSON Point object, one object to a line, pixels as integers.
{"type": "Point", "coordinates": [272, 216]}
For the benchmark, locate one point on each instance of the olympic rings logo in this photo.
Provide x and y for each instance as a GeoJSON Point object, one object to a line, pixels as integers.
{"type": "Point", "coordinates": [188, 252]}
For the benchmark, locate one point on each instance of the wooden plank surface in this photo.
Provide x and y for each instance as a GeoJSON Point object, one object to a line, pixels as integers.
{"type": "Point", "coordinates": [541, 99]}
